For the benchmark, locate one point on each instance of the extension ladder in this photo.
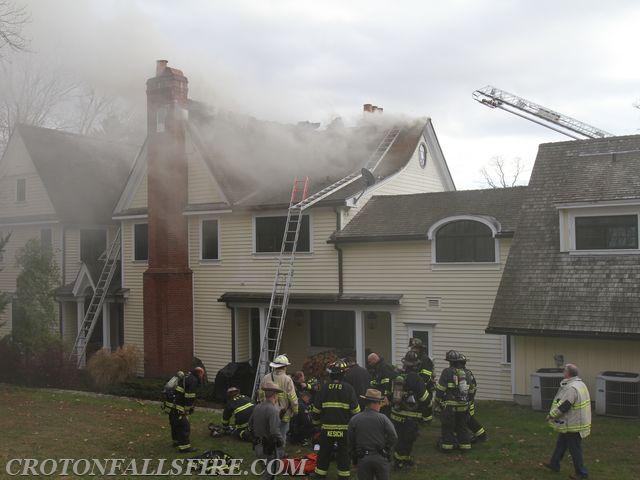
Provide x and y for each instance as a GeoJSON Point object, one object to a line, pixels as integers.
{"type": "Point", "coordinates": [97, 300]}
{"type": "Point", "coordinates": [284, 273]}
{"type": "Point", "coordinates": [282, 282]}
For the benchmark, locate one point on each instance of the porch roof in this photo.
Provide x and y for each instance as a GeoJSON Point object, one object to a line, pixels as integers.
{"type": "Point", "coordinates": [315, 298]}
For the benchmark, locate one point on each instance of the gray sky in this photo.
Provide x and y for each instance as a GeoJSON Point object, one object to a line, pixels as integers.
{"type": "Point", "coordinates": [293, 60]}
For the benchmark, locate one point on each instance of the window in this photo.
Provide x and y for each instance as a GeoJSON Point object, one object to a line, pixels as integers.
{"type": "Point", "coordinates": [270, 230]}
{"type": "Point", "coordinates": [506, 349]}
{"type": "Point", "coordinates": [209, 240]}
{"type": "Point", "coordinates": [93, 243]}
{"type": "Point", "coordinates": [424, 333]}
{"type": "Point", "coordinates": [465, 241]}
{"type": "Point", "coordinates": [422, 155]}
{"type": "Point", "coordinates": [615, 232]}
{"type": "Point", "coordinates": [46, 239]}
{"type": "Point", "coordinates": [325, 325]}
{"type": "Point", "coordinates": [21, 190]}
{"type": "Point", "coordinates": [141, 241]}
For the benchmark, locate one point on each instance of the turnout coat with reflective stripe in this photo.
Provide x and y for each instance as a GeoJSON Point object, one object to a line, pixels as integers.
{"type": "Point", "coordinates": [578, 417]}
{"type": "Point", "coordinates": [240, 409]}
{"type": "Point", "coordinates": [334, 406]}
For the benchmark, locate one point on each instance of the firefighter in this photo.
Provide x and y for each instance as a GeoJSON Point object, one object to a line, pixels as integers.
{"type": "Point", "coordinates": [333, 407]}
{"type": "Point", "coordinates": [452, 395]}
{"type": "Point", "coordinates": [287, 398]}
{"type": "Point", "coordinates": [409, 402]}
{"type": "Point", "coordinates": [382, 375]}
{"type": "Point", "coordinates": [180, 394]}
{"type": "Point", "coordinates": [426, 372]}
{"type": "Point", "coordinates": [479, 434]}
{"type": "Point", "coordinates": [239, 408]}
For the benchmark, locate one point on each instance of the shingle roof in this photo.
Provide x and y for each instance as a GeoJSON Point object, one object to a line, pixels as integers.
{"type": "Point", "coordinates": [403, 217]}
{"type": "Point", "coordinates": [255, 161]}
{"type": "Point", "coordinates": [83, 176]}
{"type": "Point", "coordinates": [546, 292]}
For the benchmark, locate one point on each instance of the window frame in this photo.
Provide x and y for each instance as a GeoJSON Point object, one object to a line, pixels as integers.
{"type": "Point", "coordinates": [423, 327]}
{"type": "Point", "coordinates": [133, 250]}
{"type": "Point", "coordinates": [20, 189]}
{"type": "Point", "coordinates": [493, 226]}
{"type": "Point", "coordinates": [201, 240]}
{"type": "Point", "coordinates": [567, 219]}
{"type": "Point", "coordinates": [50, 230]}
{"type": "Point", "coordinates": [254, 234]}
{"type": "Point", "coordinates": [423, 147]}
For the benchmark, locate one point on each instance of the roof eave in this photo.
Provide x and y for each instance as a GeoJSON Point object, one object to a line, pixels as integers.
{"type": "Point", "coordinates": [544, 332]}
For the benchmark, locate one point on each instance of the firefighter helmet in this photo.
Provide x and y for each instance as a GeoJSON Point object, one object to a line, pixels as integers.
{"type": "Point", "coordinates": [453, 356]}
{"type": "Point", "coordinates": [337, 368]}
{"type": "Point", "coordinates": [415, 342]}
{"type": "Point", "coordinates": [280, 361]}
{"type": "Point", "coordinates": [410, 359]}
{"type": "Point", "coordinates": [232, 391]}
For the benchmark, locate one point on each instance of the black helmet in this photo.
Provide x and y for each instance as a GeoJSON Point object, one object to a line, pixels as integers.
{"type": "Point", "coordinates": [454, 356]}
{"type": "Point", "coordinates": [410, 359]}
{"type": "Point", "coordinates": [337, 368]}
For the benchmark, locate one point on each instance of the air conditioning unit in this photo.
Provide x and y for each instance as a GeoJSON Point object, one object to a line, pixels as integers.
{"type": "Point", "coordinates": [618, 394]}
{"type": "Point", "coordinates": [544, 386]}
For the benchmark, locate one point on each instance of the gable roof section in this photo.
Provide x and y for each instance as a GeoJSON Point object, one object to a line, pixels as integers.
{"type": "Point", "coordinates": [409, 217]}
{"type": "Point", "coordinates": [546, 292]}
{"type": "Point", "coordinates": [255, 162]}
{"type": "Point", "coordinates": [83, 176]}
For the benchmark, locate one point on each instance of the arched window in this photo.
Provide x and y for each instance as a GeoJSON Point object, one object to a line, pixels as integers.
{"type": "Point", "coordinates": [465, 241]}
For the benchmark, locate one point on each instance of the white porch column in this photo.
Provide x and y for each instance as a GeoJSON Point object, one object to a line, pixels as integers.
{"type": "Point", "coordinates": [263, 327]}
{"type": "Point", "coordinates": [106, 325]}
{"type": "Point", "coordinates": [359, 320]}
{"type": "Point", "coordinates": [235, 334]}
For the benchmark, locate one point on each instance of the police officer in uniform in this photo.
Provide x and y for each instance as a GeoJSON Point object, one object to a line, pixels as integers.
{"type": "Point", "coordinates": [452, 394]}
{"type": "Point", "coordinates": [425, 370]}
{"type": "Point", "coordinates": [264, 425]}
{"type": "Point", "coordinates": [333, 407]}
{"type": "Point", "coordinates": [371, 438]}
{"type": "Point", "coordinates": [239, 408]}
{"type": "Point", "coordinates": [409, 401]}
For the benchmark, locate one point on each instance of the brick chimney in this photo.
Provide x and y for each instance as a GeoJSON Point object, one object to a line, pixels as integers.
{"type": "Point", "coordinates": [167, 288]}
{"type": "Point", "coordinates": [369, 108]}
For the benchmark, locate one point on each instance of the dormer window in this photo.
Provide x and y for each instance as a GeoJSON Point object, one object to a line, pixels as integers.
{"type": "Point", "coordinates": [607, 232]}
{"type": "Point", "coordinates": [599, 229]}
{"type": "Point", "coordinates": [464, 239]}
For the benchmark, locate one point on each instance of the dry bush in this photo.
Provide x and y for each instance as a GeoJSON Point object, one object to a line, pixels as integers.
{"type": "Point", "coordinates": [108, 369]}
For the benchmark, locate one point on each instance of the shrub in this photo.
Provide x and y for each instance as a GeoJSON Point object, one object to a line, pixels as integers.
{"type": "Point", "coordinates": [108, 369]}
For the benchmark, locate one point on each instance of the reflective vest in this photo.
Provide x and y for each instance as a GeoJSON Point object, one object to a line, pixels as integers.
{"type": "Point", "coordinates": [578, 417]}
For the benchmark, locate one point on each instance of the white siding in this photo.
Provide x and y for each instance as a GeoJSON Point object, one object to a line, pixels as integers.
{"type": "Point", "coordinates": [140, 198]}
{"type": "Point", "coordinates": [239, 270]}
{"type": "Point", "coordinates": [17, 164]}
{"type": "Point", "coordinates": [134, 306]}
{"type": "Point", "coordinates": [466, 293]}
{"type": "Point", "coordinates": [202, 188]}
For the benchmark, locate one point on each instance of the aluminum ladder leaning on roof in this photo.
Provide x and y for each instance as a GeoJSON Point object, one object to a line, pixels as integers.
{"type": "Point", "coordinates": [299, 202]}
{"type": "Point", "coordinates": [97, 300]}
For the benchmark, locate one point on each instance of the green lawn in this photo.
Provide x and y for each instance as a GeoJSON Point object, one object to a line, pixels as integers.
{"type": "Point", "coordinates": [43, 424]}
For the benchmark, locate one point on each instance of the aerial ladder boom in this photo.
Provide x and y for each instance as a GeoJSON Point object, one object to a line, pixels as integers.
{"type": "Point", "coordinates": [493, 97]}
